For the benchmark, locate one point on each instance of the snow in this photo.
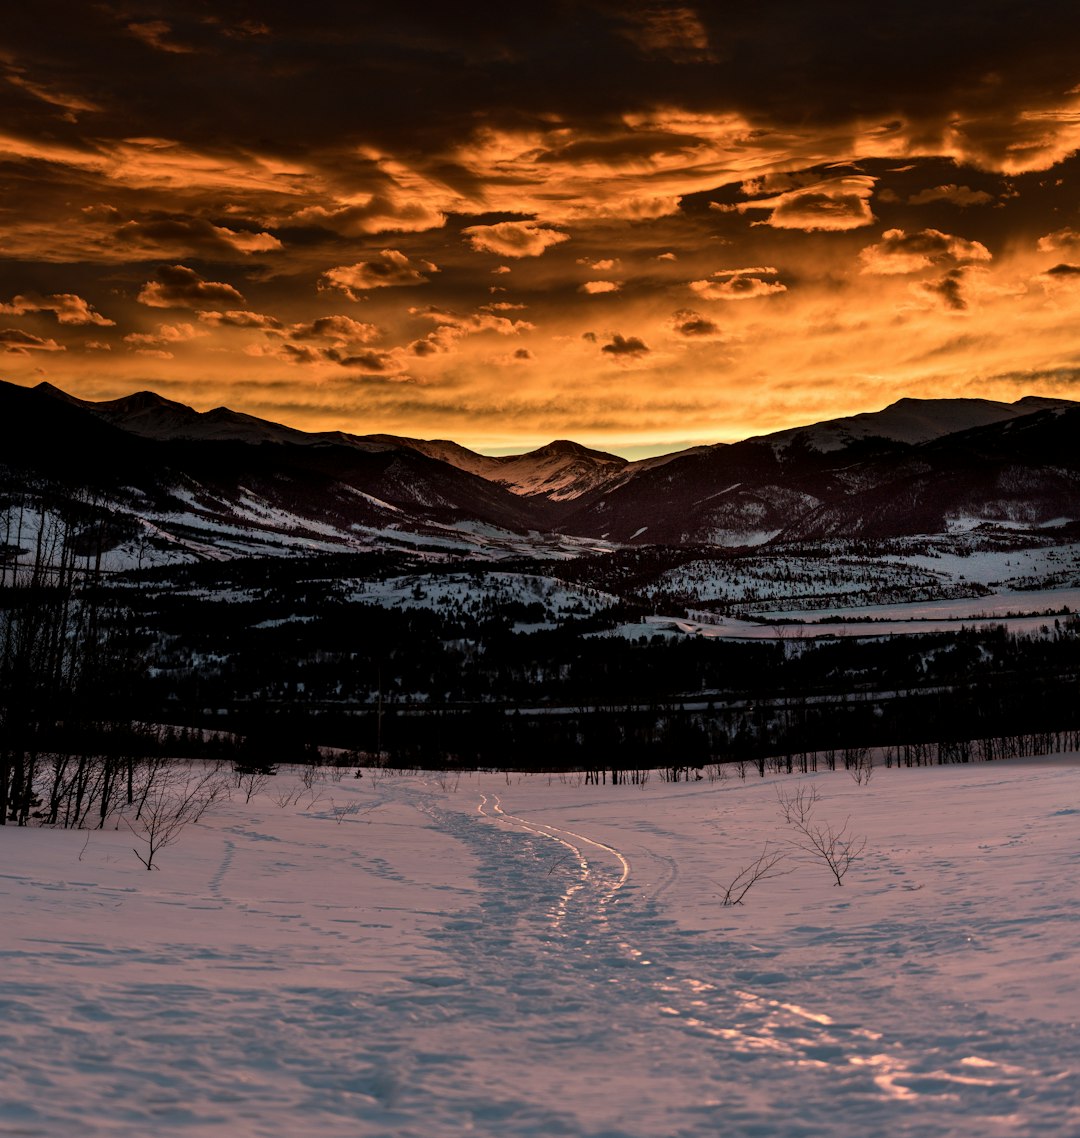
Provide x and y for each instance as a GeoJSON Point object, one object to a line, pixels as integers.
{"type": "Point", "coordinates": [525, 955]}
{"type": "Point", "coordinates": [910, 421]}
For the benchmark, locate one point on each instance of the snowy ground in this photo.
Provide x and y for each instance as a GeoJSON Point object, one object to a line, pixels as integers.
{"type": "Point", "coordinates": [423, 957]}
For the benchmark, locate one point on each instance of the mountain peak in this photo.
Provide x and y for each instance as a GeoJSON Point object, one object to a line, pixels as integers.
{"type": "Point", "coordinates": [559, 448]}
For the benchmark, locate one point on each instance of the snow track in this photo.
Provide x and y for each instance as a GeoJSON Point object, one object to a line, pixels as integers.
{"type": "Point", "coordinates": [551, 961]}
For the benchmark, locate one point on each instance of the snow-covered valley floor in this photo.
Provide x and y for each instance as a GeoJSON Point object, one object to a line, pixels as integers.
{"type": "Point", "coordinates": [421, 956]}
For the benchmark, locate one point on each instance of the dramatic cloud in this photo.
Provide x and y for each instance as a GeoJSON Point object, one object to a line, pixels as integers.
{"type": "Point", "coordinates": [899, 252]}
{"type": "Point", "coordinates": [956, 195]}
{"type": "Point", "coordinates": [1061, 239]}
{"type": "Point", "coordinates": [279, 164]}
{"type": "Point", "coordinates": [835, 204]}
{"type": "Point", "coordinates": [66, 307]}
{"type": "Point", "coordinates": [513, 238]}
{"type": "Point", "coordinates": [175, 236]}
{"type": "Point", "coordinates": [16, 341]}
{"type": "Point", "coordinates": [165, 334]}
{"type": "Point", "coordinates": [235, 318]}
{"type": "Point", "coordinates": [393, 269]}
{"type": "Point", "coordinates": [342, 329]}
{"type": "Point", "coordinates": [452, 327]}
{"type": "Point", "coordinates": [378, 214]}
{"type": "Point", "coordinates": [180, 287]}
{"type": "Point", "coordinates": [737, 284]}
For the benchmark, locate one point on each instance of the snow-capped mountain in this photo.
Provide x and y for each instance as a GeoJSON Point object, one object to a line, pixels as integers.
{"type": "Point", "coordinates": [220, 483]}
{"type": "Point", "coordinates": [908, 421]}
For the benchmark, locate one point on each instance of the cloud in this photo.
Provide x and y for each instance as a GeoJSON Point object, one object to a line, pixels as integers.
{"type": "Point", "coordinates": [340, 329]}
{"type": "Point", "coordinates": [956, 195]}
{"type": "Point", "coordinates": [393, 269]}
{"type": "Point", "coordinates": [155, 353]}
{"type": "Point", "coordinates": [625, 347]}
{"type": "Point", "coordinates": [594, 288]}
{"type": "Point", "coordinates": [600, 266]}
{"type": "Point", "coordinates": [236, 318]}
{"type": "Point", "coordinates": [835, 204]}
{"type": "Point", "coordinates": [947, 289]}
{"type": "Point", "coordinates": [379, 214]}
{"type": "Point", "coordinates": [737, 284]}
{"type": "Point", "coordinates": [452, 327]}
{"type": "Point", "coordinates": [180, 236]}
{"type": "Point", "coordinates": [165, 334]}
{"type": "Point", "coordinates": [65, 306]}
{"type": "Point", "coordinates": [900, 252]}
{"type": "Point", "coordinates": [672, 32]}
{"type": "Point", "coordinates": [153, 33]}
{"type": "Point", "coordinates": [177, 286]}
{"type": "Point", "coordinates": [513, 238]}
{"type": "Point", "coordinates": [1063, 270]}
{"type": "Point", "coordinates": [18, 342]}
{"type": "Point", "coordinates": [687, 322]}
{"type": "Point", "coordinates": [1067, 239]}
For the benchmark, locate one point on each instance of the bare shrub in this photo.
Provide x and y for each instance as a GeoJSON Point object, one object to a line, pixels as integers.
{"type": "Point", "coordinates": [175, 799]}
{"type": "Point", "coordinates": [797, 805]}
{"type": "Point", "coordinates": [838, 848]}
{"type": "Point", "coordinates": [763, 868]}
{"type": "Point", "coordinates": [862, 766]}
{"type": "Point", "coordinates": [252, 777]}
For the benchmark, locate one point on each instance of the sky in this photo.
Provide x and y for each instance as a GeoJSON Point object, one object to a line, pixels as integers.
{"type": "Point", "coordinates": [642, 226]}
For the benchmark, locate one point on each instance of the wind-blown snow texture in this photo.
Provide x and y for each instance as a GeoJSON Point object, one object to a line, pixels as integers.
{"type": "Point", "coordinates": [414, 957]}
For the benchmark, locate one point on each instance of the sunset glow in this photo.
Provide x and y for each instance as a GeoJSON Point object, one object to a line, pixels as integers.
{"type": "Point", "coordinates": [640, 225]}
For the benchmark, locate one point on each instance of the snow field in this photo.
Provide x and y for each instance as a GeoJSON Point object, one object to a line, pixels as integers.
{"type": "Point", "coordinates": [433, 955]}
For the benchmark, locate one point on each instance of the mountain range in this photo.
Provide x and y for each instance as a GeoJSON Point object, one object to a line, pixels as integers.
{"type": "Point", "coordinates": [180, 482]}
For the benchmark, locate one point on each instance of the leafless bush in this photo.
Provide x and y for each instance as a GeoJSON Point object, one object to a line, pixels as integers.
{"type": "Point", "coordinates": [797, 805]}
{"type": "Point", "coordinates": [251, 778]}
{"type": "Point", "coordinates": [174, 800]}
{"type": "Point", "coordinates": [838, 848]}
{"type": "Point", "coordinates": [861, 768]}
{"type": "Point", "coordinates": [447, 781]}
{"type": "Point", "coordinates": [763, 868]}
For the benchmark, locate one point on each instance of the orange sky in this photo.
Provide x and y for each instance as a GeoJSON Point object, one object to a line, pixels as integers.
{"type": "Point", "coordinates": [641, 226]}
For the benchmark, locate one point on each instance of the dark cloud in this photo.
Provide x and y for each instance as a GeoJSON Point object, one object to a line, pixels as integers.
{"type": "Point", "coordinates": [1063, 270]}
{"type": "Point", "coordinates": [687, 322]}
{"type": "Point", "coordinates": [622, 347]}
{"type": "Point", "coordinates": [177, 286]}
{"type": "Point", "coordinates": [947, 289]}
{"type": "Point", "coordinates": [956, 195]}
{"type": "Point", "coordinates": [900, 252]}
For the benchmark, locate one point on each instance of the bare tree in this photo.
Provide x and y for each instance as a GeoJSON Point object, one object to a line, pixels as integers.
{"type": "Point", "coordinates": [762, 869]}
{"type": "Point", "coordinates": [838, 848]}
{"type": "Point", "coordinates": [174, 801]}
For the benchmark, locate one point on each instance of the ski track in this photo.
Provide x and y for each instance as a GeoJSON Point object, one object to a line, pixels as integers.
{"type": "Point", "coordinates": [560, 1000]}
